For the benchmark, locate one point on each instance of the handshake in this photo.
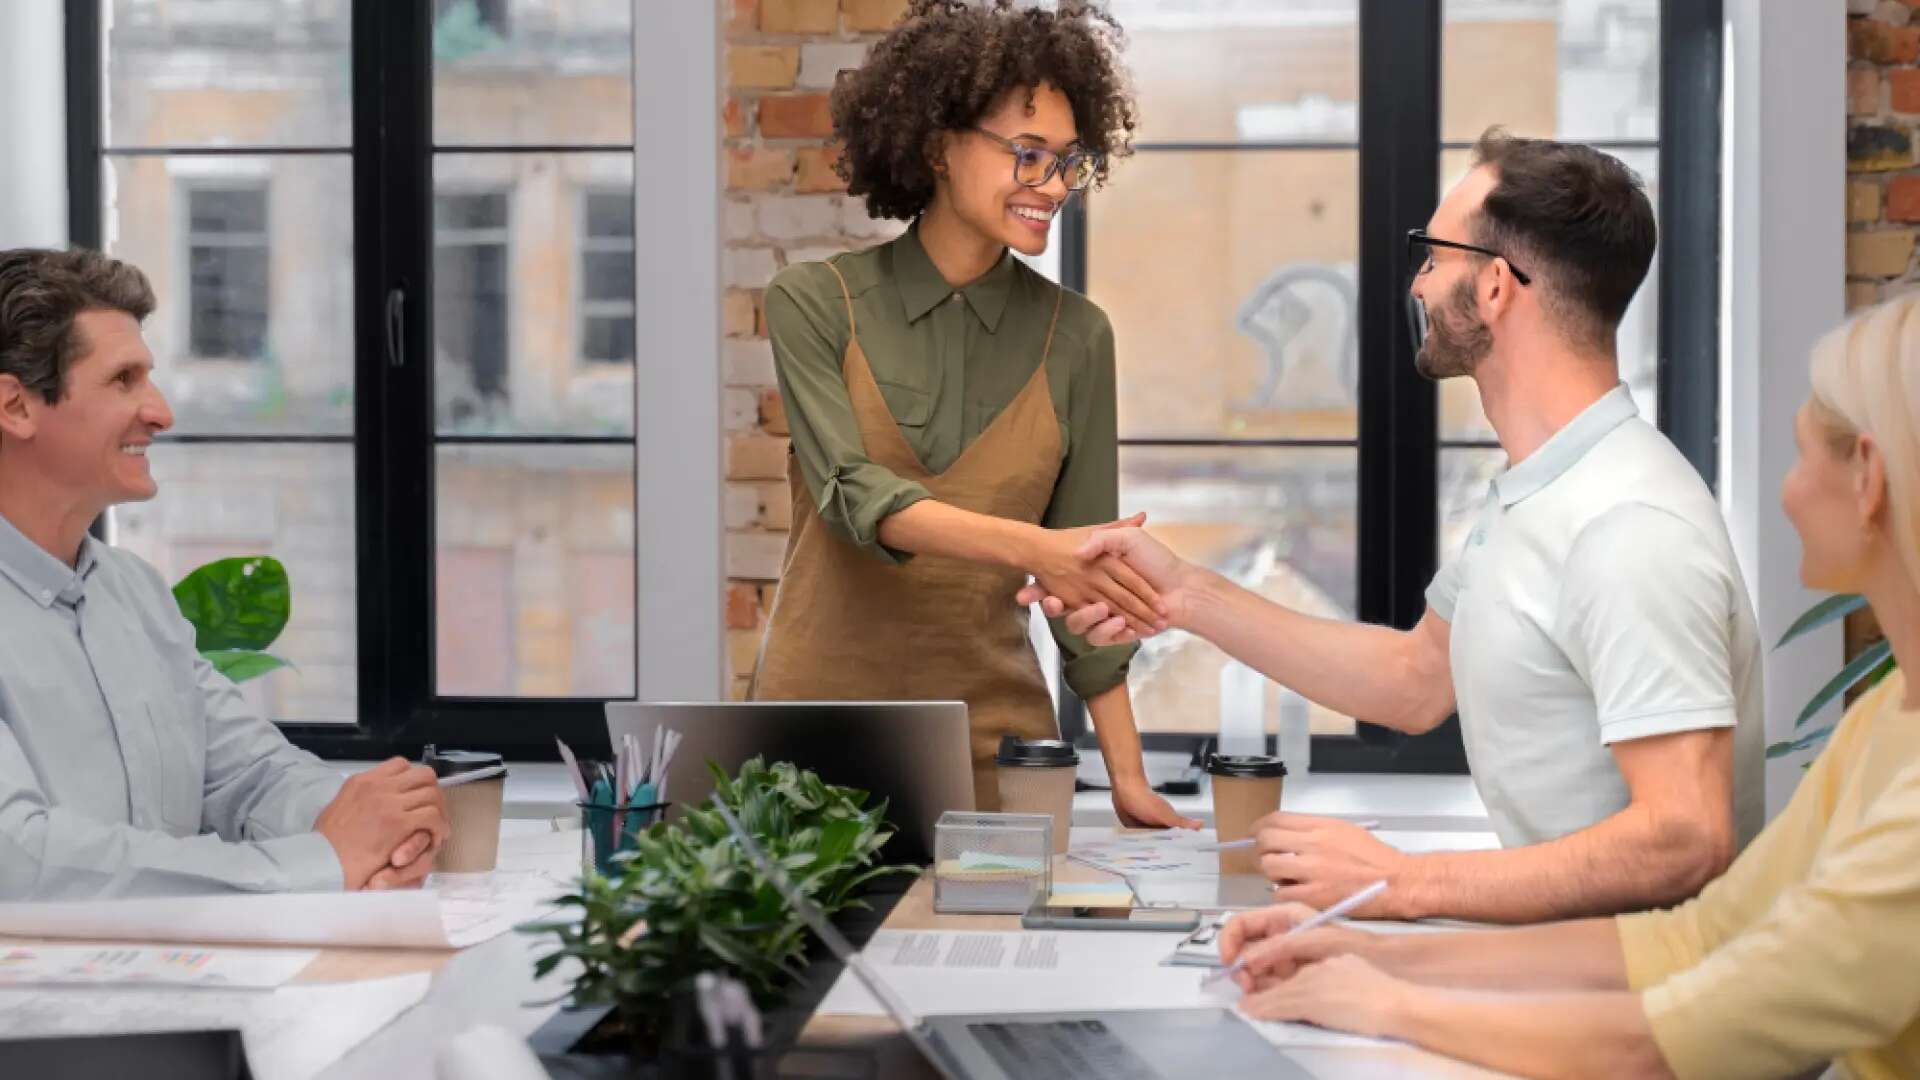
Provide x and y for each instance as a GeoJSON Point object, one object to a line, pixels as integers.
{"type": "Point", "coordinates": [1114, 583]}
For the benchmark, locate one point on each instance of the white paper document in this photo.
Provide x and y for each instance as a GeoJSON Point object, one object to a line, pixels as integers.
{"type": "Point", "coordinates": [132, 966]}
{"type": "Point", "coordinates": [454, 911]}
{"type": "Point", "coordinates": [290, 1034]}
{"type": "Point", "coordinates": [963, 971]}
{"type": "Point", "coordinates": [1422, 842]}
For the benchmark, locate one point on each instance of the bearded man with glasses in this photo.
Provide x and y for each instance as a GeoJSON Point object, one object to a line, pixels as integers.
{"type": "Point", "coordinates": [1594, 635]}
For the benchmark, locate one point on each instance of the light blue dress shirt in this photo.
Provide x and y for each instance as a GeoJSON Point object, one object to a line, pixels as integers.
{"type": "Point", "coordinates": [128, 765]}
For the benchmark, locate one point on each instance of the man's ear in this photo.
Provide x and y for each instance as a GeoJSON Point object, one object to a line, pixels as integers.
{"type": "Point", "coordinates": [17, 420]}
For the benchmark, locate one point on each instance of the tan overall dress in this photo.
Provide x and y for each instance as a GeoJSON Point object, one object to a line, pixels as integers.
{"type": "Point", "coordinates": [846, 626]}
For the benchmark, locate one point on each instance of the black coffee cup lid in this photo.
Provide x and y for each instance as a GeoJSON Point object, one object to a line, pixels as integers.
{"type": "Point", "coordinates": [1035, 753]}
{"type": "Point", "coordinates": [1253, 766]}
{"type": "Point", "coordinates": [454, 762]}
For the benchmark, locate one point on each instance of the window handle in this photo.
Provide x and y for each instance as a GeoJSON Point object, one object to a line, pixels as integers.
{"type": "Point", "coordinates": [397, 326]}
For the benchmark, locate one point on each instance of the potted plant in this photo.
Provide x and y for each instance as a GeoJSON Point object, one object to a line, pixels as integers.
{"type": "Point", "coordinates": [1872, 665]}
{"type": "Point", "coordinates": [687, 900]}
{"type": "Point", "coordinates": [237, 607]}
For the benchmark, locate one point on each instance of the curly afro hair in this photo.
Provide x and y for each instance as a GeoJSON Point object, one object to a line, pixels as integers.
{"type": "Point", "coordinates": [947, 63]}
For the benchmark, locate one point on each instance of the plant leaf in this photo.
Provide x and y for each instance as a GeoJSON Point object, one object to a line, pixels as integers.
{"type": "Point", "coordinates": [1833, 607]}
{"type": "Point", "coordinates": [238, 603]}
{"type": "Point", "coordinates": [1794, 746]}
{"type": "Point", "coordinates": [243, 664]}
{"type": "Point", "coordinates": [1856, 669]}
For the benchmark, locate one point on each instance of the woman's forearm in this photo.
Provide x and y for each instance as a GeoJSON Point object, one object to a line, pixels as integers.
{"type": "Point", "coordinates": [1602, 1034]}
{"type": "Point", "coordinates": [931, 527]}
{"type": "Point", "coordinates": [1583, 954]}
{"type": "Point", "coordinates": [1112, 713]}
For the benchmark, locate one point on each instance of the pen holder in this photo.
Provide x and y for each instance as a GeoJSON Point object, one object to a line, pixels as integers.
{"type": "Point", "coordinates": [601, 840]}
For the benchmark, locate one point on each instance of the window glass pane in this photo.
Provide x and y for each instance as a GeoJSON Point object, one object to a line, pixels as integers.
{"type": "Point", "coordinates": [517, 348]}
{"type": "Point", "coordinates": [227, 73]}
{"type": "Point", "coordinates": [1461, 417]}
{"type": "Point", "coordinates": [294, 503]}
{"type": "Point", "coordinates": [1236, 71]}
{"type": "Point", "coordinates": [532, 72]}
{"type": "Point", "coordinates": [251, 260]}
{"type": "Point", "coordinates": [1280, 522]}
{"type": "Point", "coordinates": [533, 552]}
{"type": "Point", "coordinates": [1230, 281]}
{"type": "Point", "coordinates": [1585, 70]}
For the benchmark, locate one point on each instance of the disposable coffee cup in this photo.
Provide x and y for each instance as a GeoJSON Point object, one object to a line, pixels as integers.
{"type": "Point", "coordinates": [1036, 777]}
{"type": "Point", "coordinates": [1246, 788]}
{"type": "Point", "coordinates": [473, 810]}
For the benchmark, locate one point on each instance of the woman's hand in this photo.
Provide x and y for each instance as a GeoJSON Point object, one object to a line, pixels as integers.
{"type": "Point", "coordinates": [1272, 952]}
{"type": "Point", "coordinates": [1344, 993]}
{"type": "Point", "coordinates": [1053, 558]}
{"type": "Point", "coordinates": [1138, 806]}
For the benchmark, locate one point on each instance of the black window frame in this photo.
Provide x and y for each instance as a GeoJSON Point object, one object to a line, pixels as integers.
{"type": "Point", "coordinates": [394, 439]}
{"type": "Point", "coordinates": [1399, 442]}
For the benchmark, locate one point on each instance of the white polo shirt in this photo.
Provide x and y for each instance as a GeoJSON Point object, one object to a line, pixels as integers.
{"type": "Point", "coordinates": [1597, 601]}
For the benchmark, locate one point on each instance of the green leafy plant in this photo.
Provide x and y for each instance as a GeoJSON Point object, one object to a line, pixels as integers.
{"type": "Point", "coordinates": [237, 607]}
{"type": "Point", "coordinates": [688, 900]}
{"type": "Point", "coordinates": [1872, 665]}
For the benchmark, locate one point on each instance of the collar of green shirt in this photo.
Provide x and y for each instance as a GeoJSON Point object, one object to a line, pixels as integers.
{"type": "Point", "coordinates": [38, 574]}
{"type": "Point", "coordinates": [1567, 446]}
{"type": "Point", "coordinates": [922, 288]}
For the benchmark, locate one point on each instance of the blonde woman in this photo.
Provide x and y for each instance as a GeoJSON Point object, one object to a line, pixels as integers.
{"type": "Point", "coordinates": [1808, 949]}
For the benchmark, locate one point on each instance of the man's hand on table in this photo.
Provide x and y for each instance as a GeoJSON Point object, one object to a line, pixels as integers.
{"type": "Point", "coordinates": [375, 823]}
{"type": "Point", "coordinates": [1321, 861]}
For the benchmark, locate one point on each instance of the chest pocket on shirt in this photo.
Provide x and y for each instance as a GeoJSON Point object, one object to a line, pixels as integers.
{"type": "Point", "coordinates": [910, 407]}
{"type": "Point", "coordinates": [180, 741]}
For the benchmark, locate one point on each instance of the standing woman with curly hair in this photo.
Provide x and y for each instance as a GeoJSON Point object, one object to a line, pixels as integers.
{"type": "Point", "coordinates": [952, 411]}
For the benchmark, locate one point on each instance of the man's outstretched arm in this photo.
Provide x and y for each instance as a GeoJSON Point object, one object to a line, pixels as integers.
{"type": "Point", "coordinates": [1394, 678]}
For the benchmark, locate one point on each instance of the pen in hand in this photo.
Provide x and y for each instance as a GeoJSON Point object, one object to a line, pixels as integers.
{"type": "Point", "coordinates": [1332, 913]}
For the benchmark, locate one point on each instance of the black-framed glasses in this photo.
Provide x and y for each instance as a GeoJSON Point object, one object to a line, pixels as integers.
{"type": "Point", "coordinates": [1035, 165]}
{"type": "Point", "coordinates": [1420, 254]}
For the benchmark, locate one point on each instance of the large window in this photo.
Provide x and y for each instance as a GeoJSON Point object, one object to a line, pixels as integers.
{"type": "Point", "coordinates": [392, 244]}
{"type": "Point", "coordinates": [1249, 255]}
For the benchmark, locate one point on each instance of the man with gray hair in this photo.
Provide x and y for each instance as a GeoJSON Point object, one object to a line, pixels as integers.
{"type": "Point", "coordinates": [128, 765]}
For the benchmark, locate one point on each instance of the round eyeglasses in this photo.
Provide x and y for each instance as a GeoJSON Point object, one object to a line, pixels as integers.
{"type": "Point", "coordinates": [1033, 166]}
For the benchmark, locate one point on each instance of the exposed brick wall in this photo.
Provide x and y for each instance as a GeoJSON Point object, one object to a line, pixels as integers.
{"type": "Point", "coordinates": [1883, 174]}
{"type": "Point", "coordinates": [783, 204]}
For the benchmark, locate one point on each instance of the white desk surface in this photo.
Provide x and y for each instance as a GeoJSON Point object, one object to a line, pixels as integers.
{"type": "Point", "coordinates": [493, 983]}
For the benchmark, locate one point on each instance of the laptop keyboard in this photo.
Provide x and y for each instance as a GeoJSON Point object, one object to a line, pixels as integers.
{"type": "Point", "coordinates": [1062, 1049]}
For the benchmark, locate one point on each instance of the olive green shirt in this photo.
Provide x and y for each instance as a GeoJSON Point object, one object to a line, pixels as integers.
{"type": "Point", "coordinates": [947, 362]}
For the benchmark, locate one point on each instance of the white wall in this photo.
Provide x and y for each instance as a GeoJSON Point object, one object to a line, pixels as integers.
{"type": "Point", "coordinates": [1783, 284]}
{"type": "Point", "coordinates": [33, 118]}
{"type": "Point", "coordinates": [676, 172]}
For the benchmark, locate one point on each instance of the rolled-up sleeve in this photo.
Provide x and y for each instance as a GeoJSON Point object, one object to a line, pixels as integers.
{"type": "Point", "coordinates": [1088, 493]}
{"type": "Point", "coordinates": [806, 322]}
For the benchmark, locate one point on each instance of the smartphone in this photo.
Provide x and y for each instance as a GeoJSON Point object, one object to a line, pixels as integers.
{"type": "Point", "coordinates": [1041, 916]}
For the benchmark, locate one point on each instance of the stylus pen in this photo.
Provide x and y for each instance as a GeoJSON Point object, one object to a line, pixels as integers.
{"type": "Point", "coordinates": [469, 777]}
{"type": "Point", "coordinates": [1321, 919]}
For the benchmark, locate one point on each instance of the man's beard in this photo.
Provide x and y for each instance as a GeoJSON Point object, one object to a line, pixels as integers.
{"type": "Point", "coordinates": [1457, 339]}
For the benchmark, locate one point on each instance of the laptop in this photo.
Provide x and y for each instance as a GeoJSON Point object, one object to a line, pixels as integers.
{"type": "Point", "coordinates": [1132, 1044]}
{"type": "Point", "coordinates": [914, 754]}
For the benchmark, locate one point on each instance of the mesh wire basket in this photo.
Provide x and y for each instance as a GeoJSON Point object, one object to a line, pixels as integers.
{"type": "Point", "coordinates": [991, 863]}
